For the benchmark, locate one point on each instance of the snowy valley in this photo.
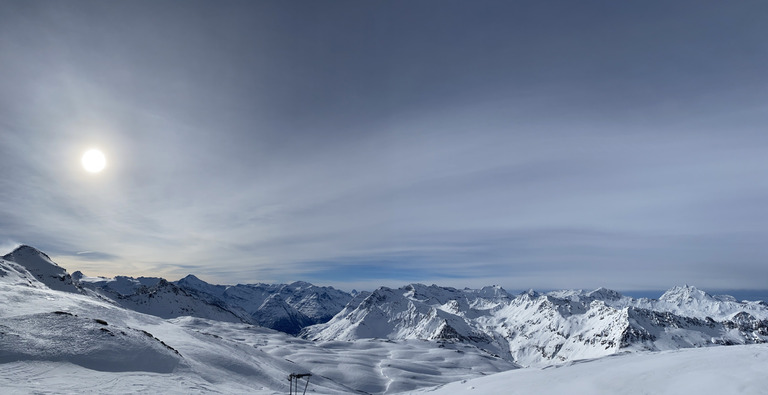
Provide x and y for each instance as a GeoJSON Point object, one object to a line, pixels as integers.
{"type": "Point", "coordinates": [62, 333]}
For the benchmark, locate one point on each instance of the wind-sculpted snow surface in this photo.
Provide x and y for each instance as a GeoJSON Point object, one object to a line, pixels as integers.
{"type": "Point", "coordinates": [714, 370]}
{"type": "Point", "coordinates": [90, 343]}
{"type": "Point", "coordinates": [535, 329]}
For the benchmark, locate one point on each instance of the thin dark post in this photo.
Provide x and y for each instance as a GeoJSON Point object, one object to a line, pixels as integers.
{"type": "Point", "coordinates": [297, 377]}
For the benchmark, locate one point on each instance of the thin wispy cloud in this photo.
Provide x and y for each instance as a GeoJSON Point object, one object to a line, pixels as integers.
{"type": "Point", "coordinates": [525, 144]}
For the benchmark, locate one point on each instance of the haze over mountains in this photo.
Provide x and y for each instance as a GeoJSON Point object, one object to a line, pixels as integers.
{"type": "Point", "coordinates": [385, 341]}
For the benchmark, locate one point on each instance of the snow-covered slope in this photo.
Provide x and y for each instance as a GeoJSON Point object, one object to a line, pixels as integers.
{"type": "Point", "coordinates": [87, 342]}
{"type": "Point", "coordinates": [40, 266]}
{"type": "Point", "coordinates": [535, 329]}
{"type": "Point", "coordinates": [713, 370]}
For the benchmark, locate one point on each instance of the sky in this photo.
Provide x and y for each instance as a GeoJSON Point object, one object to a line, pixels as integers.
{"type": "Point", "coordinates": [529, 144]}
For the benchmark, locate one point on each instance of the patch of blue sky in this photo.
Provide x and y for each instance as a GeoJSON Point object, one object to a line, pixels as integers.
{"type": "Point", "coordinates": [405, 270]}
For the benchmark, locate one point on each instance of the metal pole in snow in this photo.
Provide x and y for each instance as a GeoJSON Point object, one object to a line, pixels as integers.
{"type": "Point", "coordinates": [298, 377]}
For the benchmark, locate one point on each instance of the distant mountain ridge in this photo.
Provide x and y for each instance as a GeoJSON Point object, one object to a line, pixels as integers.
{"type": "Point", "coordinates": [284, 307]}
{"type": "Point", "coordinates": [534, 329]}
{"type": "Point", "coordinates": [530, 329]}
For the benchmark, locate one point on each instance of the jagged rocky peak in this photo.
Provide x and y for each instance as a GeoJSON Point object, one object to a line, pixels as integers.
{"type": "Point", "coordinates": [415, 290]}
{"type": "Point", "coordinates": [743, 318]}
{"type": "Point", "coordinates": [357, 299]}
{"type": "Point", "coordinates": [432, 294]}
{"type": "Point", "coordinates": [531, 293]}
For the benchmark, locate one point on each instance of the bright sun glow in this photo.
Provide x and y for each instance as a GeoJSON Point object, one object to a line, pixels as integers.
{"type": "Point", "coordinates": [94, 161]}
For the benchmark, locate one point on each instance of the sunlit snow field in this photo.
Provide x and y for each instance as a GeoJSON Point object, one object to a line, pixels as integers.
{"type": "Point", "coordinates": [713, 370]}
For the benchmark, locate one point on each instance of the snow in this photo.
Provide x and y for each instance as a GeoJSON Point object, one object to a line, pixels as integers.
{"type": "Point", "coordinates": [537, 330]}
{"type": "Point", "coordinates": [93, 335]}
{"type": "Point", "coordinates": [120, 285]}
{"type": "Point", "coordinates": [90, 343]}
{"type": "Point", "coordinates": [57, 342]}
{"type": "Point", "coordinates": [720, 370]}
{"type": "Point", "coordinates": [39, 265]}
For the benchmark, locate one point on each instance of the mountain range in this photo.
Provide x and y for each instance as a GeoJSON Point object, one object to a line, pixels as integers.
{"type": "Point", "coordinates": [530, 329]}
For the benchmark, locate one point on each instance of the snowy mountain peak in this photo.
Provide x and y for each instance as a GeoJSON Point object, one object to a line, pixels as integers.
{"type": "Point", "coordinates": [685, 294]}
{"type": "Point", "coordinates": [25, 254]}
{"type": "Point", "coordinates": [43, 268]}
{"type": "Point", "coordinates": [26, 249]}
{"type": "Point", "coordinates": [192, 281]}
{"type": "Point", "coordinates": [195, 285]}
{"type": "Point", "coordinates": [192, 277]}
{"type": "Point", "coordinates": [493, 292]}
{"type": "Point", "coordinates": [604, 294]}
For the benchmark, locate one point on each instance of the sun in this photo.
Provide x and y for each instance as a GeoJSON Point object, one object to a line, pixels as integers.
{"type": "Point", "coordinates": [94, 161]}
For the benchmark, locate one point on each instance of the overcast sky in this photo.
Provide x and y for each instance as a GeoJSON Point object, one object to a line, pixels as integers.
{"type": "Point", "coordinates": [531, 144]}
